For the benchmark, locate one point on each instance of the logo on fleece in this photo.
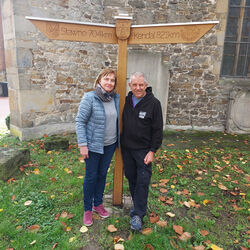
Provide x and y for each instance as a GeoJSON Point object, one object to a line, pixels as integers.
{"type": "Point", "coordinates": [142, 114]}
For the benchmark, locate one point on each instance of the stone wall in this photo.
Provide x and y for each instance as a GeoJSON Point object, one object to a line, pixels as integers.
{"type": "Point", "coordinates": [2, 57]}
{"type": "Point", "coordinates": [47, 78]}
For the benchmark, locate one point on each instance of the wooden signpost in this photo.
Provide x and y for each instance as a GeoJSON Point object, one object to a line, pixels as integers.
{"type": "Point", "coordinates": [122, 34]}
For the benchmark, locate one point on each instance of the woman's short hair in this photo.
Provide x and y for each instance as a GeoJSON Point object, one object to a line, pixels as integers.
{"type": "Point", "coordinates": [105, 72]}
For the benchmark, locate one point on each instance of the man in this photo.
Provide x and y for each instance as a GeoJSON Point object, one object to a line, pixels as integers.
{"type": "Point", "coordinates": [141, 136]}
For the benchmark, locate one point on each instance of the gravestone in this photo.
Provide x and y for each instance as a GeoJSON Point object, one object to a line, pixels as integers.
{"type": "Point", "coordinates": [10, 160]}
{"type": "Point", "coordinates": [238, 119]}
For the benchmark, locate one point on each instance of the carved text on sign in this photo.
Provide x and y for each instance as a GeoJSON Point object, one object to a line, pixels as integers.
{"type": "Point", "coordinates": [155, 35]}
{"type": "Point", "coordinates": [55, 30]}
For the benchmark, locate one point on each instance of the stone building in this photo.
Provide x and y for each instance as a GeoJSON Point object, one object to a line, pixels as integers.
{"type": "Point", "coordinates": [47, 78]}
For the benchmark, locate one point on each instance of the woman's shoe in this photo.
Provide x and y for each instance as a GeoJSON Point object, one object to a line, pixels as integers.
{"type": "Point", "coordinates": [101, 211]}
{"type": "Point", "coordinates": [87, 218]}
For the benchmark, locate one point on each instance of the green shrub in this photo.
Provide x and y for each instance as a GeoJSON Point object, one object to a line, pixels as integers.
{"type": "Point", "coordinates": [7, 122]}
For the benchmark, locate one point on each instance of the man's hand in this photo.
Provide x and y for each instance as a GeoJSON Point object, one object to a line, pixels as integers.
{"type": "Point", "coordinates": [149, 157]}
{"type": "Point", "coordinates": [84, 152]}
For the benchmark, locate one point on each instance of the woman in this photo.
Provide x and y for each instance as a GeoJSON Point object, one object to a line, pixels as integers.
{"type": "Point", "coordinates": [97, 129]}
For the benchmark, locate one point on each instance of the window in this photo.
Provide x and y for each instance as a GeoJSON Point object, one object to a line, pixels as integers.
{"type": "Point", "coordinates": [236, 56]}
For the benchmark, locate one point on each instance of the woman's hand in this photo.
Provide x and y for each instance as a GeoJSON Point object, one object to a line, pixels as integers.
{"type": "Point", "coordinates": [84, 152]}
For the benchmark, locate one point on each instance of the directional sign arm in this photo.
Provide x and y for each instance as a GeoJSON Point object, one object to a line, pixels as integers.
{"type": "Point", "coordinates": [169, 33]}
{"type": "Point", "coordinates": [75, 31]}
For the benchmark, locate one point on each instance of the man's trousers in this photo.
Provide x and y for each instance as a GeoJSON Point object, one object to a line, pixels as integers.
{"type": "Point", "coordinates": [138, 175]}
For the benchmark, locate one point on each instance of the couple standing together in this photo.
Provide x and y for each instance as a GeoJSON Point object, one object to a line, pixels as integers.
{"type": "Point", "coordinates": [98, 134]}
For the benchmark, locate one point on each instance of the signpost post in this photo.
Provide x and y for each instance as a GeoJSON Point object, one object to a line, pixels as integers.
{"type": "Point", "coordinates": [122, 34]}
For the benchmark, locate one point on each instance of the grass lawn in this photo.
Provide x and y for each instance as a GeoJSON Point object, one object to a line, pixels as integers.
{"type": "Point", "coordinates": [198, 198]}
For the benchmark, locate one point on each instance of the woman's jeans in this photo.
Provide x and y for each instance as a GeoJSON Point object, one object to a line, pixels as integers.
{"type": "Point", "coordinates": [96, 168]}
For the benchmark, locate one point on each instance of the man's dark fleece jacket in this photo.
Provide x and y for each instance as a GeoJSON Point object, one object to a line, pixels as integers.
{"type": "Point", "coordinates": [142, 124]}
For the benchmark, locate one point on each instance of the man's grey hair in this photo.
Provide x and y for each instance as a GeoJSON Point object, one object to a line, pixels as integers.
{"type": "Point", "coordinates": [138, 74]}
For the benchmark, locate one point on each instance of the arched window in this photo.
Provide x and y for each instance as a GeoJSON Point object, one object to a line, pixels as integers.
{"type": "Point", "coordinates": [236, 56]}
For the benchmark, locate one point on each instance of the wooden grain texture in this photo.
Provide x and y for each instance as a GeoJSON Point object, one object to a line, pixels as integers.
{"type": "Point", "coordinates": [168, 34]}
{"type": "Point", "coordinates": [76, 32]}
{"type": "Point", "coordinates": [121, 89]}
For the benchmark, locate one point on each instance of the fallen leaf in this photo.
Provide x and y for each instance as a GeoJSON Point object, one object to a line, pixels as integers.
{"type": "Point", "coordinates": [119, 247]}
{"type": "Point", "coordinates": [169, 202]}
{"type": "Point", "coordinates": [36, 171]}
{"type": "Point", "coordinates": [57, 216]}
{"type": "Point", "coordinates": [111, 228]}
{"type": "Point", "coordinates": [54, 246]}
{"type": "Point", "coordinates": [162, 198]}
{"type": "Point", "coordinates": [81, 159]}
{"type": "Point", "coordinates": [205, 202]}
{"type": "Point", "coordinates": [34, 228]}
{"type": "Point", "coordinates": [200, 193]}
{"type": "Point", "coordinates": [180, 167]}
{"type": "Point", "coordinates": [222, 187]}
{"type": "Point", "coordinates": [154, 218]}
{"type": "Point", "coordinates": [67, 171]}
{"type": "Point", "coordinates": [164, 181]}
{"type": "Point", "coordinates": [147, 231]}
{"type": "Point", "coordinates": [13, 197]}
{"type": "Point", "coordinates": [1, 210]}
{"type": "Point", "coordinates": [178, 229]}
{"type": "Point", "coordinates": [53, 179]}
{"type": "Point", "coordinates": [185, 236]}
{"type": "Point", "coordinates": [186, 204]}
{"type": "Point", "coordinates": [204, 232]}
{"type": "Point", "coordinates": [149, 246]}
{"type": "Point", "coordinates": [170, 214]}
{"type": "Point", "coordinates": [116, 239]}
{"type": "Point", "coordinates": [33, 242]}
{"type": "Point", "coordinates": [83, 229]}
{"type": "Point", "coordinates": [154, 185]}
{"type": "Point", "coordinates": [71, 239]}
{"type": "Point", "coordinates": [67, 229]}
{"type": "Point", "coordinates": [69, 216]}
{"type": "Point", "coordinates": [163, 190]}
{"type": "Point", "coordinates": [199, 248]}
{"type": "Point", "coordinates": [161, 223]}
{"type": "Point", "coordinates": [185, 192]}
{"type": "Point", "coordinates": [27, 203]}
{"type": "Point", "coordinates": [80, 177]}
{"type": "Point", "coordinates": [64, 214]}
{"type": "Point", "coordinates": [214, 247]}
{"type": "Point", "coordinates": [199, 178]}
{"type": "Point", "coordinates": [63, 224]}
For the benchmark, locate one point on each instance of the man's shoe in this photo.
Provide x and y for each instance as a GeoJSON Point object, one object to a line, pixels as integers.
{"type": "Point", "coordinates": [87, 218]}
{"type": "Point", "coordinates": [136, 223]}
{"type": "Point", "coordinates": [101, 211]}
